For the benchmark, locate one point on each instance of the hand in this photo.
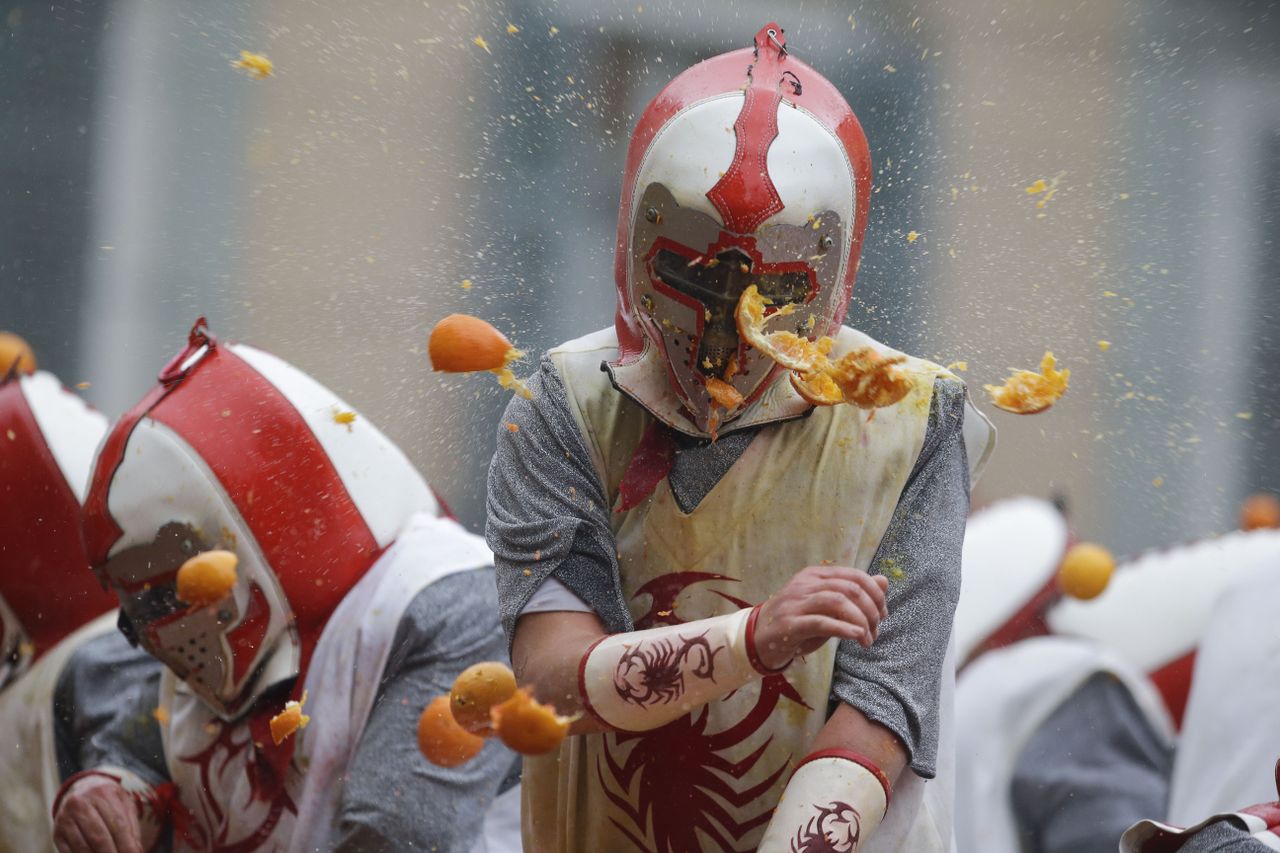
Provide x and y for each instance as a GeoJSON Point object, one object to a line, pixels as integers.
{"type": "Point", "coordinates": [97, 815]}
{"type": "Point", "coordinates": [818, 603]}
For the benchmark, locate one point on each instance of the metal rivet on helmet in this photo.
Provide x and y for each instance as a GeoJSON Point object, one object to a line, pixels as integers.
{"type": "Point", "coordinates": [825, 242]}
{"type": "Point", "coordinates": [653, 215]}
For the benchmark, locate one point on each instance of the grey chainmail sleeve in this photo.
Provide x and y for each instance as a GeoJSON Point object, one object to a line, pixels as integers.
{"type": "Point", "coordinates": [1223, 836]}
{"type": "Point", "coordinates": [897, 682]}
{"type": "Point", "coordinates": [1092, 769]}
{"type": "Point", "coordinates": [547, 510]}
{"type": "Point", "coordinates": [102, 710]}
{"type": "Point", "coordinates": [392, 798]}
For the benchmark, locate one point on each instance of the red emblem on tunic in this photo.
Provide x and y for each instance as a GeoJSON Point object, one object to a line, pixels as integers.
{"type": "Point", "coordinates": [680, 779]}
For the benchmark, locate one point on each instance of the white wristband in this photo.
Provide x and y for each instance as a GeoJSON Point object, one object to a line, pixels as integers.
{"type": "Point", "coordinates": [645, 679]}
{"type": "Point", "coordinates": [835, 796]}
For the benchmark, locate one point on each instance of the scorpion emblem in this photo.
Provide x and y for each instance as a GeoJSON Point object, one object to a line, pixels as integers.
{"type": "Point", "coordinates": [836, 828]}
{"type": "Point", "coordinates": [654, 673]}
{"type": "Point", "coordinates": [684, 787]}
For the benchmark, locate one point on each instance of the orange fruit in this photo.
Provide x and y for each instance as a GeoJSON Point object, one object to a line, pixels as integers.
{"type": "Point", "coordinates": [786, 348]}
{"type": "Point", "coordinates": [461, 343]}
{"type": "Point", "coordinates": [15, 349]}
{"type": "Point", "coordinates": [870, 380]}
{"type": "Point", "coordinates": [442, 740]}
{"type": "Point", "coordinates": [289, 720]}
{"type": "Point", "coordinates": [207, 578]}
{"type": "Point", "coordinates": [476, 690]}
{"type": "Point", "coordinates": [862, 377]}
{"type": "Point", "coordinates": [1085, 571]}
{"type": "Point", "coordinates": [1027, 392]}
{"type": "Point", "coordinates": [1260, 512]}
{"type": "Point", "coordinates": [528, 726]}
{"type": "Point", "coordinates": [817, 388]}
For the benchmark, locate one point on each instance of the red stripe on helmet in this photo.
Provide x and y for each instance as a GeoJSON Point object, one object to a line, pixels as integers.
{"type": "Point", "coordinates": [280, 479]}
{"type": "Point", "coordinates": [745, 194]}
{"type": "Point", "coordinates": [44, 570]}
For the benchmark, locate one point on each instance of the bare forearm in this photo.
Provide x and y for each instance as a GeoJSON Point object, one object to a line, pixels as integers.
{"type": "Point", "coordinates": [546, 654]}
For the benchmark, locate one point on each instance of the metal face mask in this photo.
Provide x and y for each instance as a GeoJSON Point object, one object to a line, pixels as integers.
{"type": "Point", "coordinates": [217, 649]}
{"type": "Point", "coordinates": [689, 273]}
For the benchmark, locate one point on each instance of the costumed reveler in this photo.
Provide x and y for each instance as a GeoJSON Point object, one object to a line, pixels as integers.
{"type": "Point", "coordinates": [1066, 739]}
{"type": "Point", "coordinates": [62, 662]}
{"type": "Point", "coordinates": [354, 594]}
{"type": "Point", "coordinates": [750, 603]}
{"type": "Point", "coordinates": [1229, 732]}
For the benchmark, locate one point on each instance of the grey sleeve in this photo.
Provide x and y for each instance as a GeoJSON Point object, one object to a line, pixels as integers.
{"type": "Point", "coordinates": [103, 707]}
{"type": "Point", "coordinates": [1091, 770]}
{"type": "Point", "coordinates": [1224, 836]}
{"type": "Point", "coordinates": [897, 682]}
{"type": "Point", "coordinates": [547, 509]}
{"type": "Point", "coordinates": [392, 797]}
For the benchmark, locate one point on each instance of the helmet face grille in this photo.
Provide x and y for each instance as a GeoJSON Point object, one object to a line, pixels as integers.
{"type": "Point", "coordinates": [688, 274]}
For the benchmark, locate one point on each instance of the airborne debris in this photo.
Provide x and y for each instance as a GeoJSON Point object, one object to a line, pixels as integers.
{"type": "Point", "coordinates": [1027, 392]}
{"type": "Point", "coordinates": [290, 720]}
{"type": "Point", "coordinates": [479, 42]}
{"type": "Point", "coordinates": [255, 64]}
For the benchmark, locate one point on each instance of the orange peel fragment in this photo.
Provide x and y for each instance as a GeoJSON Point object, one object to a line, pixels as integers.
{"type": "Point", "coordinates": [723, 394]}
{"type": "Point", "coordinates": [476, 690]}
{"type": "Point", "coordinates": [862, 377]}
{"type": "Point", "coordinates": [441, 740]}
{"type": "Point", "coordinates": [528, 726]}
{"type": "Point", "coordinates": [290, 720]}
{"type": "Point", "coordinates": [461, 343]}
{"type": "Point", "coordinates": [1027, 392]}
{"type": "Point", "coordinates": [206, 578]}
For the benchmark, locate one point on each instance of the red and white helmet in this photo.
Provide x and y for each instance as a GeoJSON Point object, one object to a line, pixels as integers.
{"type": "Point", "coordinates": [47, 439]}
{"type": "Point", "coordinates": [236, 449]}
{"type": "Point", "coordinates": [748, 168]}
{"type": "Point", "coordinates": [1158, 605]}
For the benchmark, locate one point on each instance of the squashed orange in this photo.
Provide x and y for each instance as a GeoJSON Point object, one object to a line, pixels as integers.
{"type": "Point", "coordinates": [528, 726]}
{"type": "Point", "coordinates": [1027, 392]}
{"type": "Point", "coordinates": [206, 578]}
{"type": "Point", "coordinates": [1085, 571]}
{"type": "Point", "coordinates": [461, 343]}
{"type": "Point", "coordinates": [442, 740]}
{"type": "Point", "coordinates": [14, 349]}
{"type": "Point", "coordinates": [290, 720]}
{"type": "Point", "coordinates": [1260, 512]}
{"type": "Point", "coordinates": [862, 377]}
{"type": "Point", "coordinates": [476, 690]}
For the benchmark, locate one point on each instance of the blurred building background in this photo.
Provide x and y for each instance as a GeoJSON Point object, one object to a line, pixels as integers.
{"type": "Point", "coordinates": [332, 212]}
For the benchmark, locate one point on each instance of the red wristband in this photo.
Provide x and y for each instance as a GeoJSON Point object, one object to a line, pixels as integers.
{"type": "Point", "coordinates": [754, 656]}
